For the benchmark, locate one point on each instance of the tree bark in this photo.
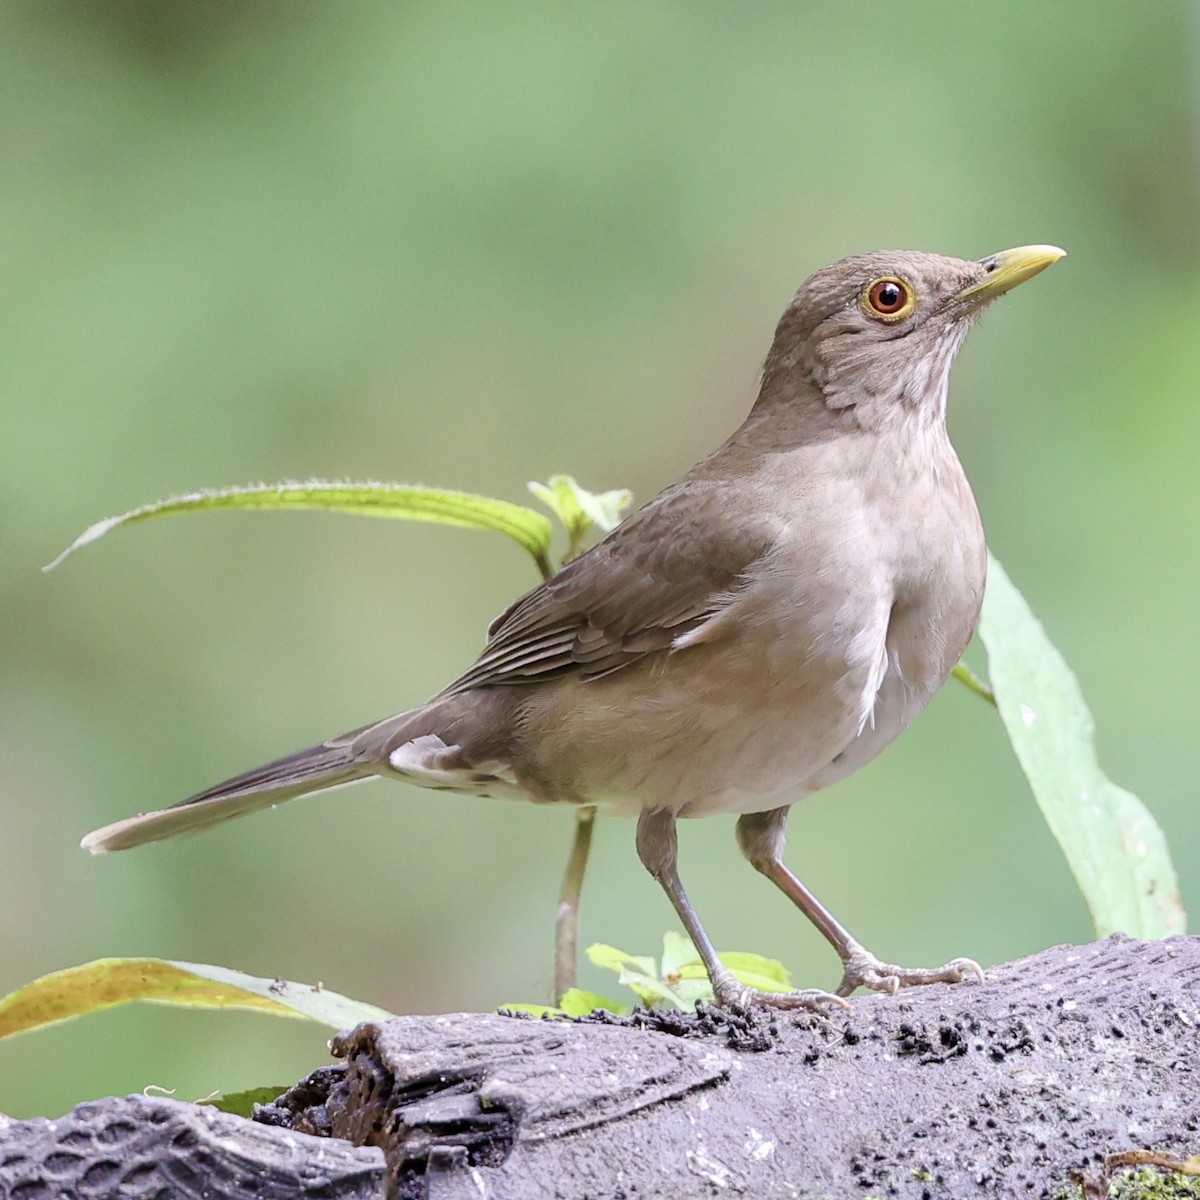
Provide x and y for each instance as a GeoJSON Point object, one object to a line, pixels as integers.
{"type": "Point", "coordinates": [1008, 1088]}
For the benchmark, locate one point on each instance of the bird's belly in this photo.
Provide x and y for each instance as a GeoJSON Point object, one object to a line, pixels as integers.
{"type": "Point", "coordinates": [753, 774]}
{"type": "Point", "coordinates": [920, 655]}
{"type": "Point", "coordinates": [723, 733]}
{"type": "Point", "coordinates": [896, 706]}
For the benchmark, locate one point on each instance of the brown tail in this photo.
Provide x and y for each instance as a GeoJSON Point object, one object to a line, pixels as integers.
{"type": "Point", "coordinates": [328, 765]}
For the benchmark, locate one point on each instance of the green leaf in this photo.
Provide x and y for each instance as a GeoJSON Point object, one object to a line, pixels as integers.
{"type": "Point", "coordinates": [681, 958]}
{"type": "Point", "coordinates": [580, 510]}
{"type": "Point", "coordinates": [575, 1003]}
{"type": "Point", "coordinates": [241, 1104]}
{"type": "Point", "coordinates": [743, 966]}
{"type": "Point", "coordinates": [764, 983]}
{"type": "Point", "coordinates": [604, 509]}
{"type": "Point", "coordinates": [578, 1003]}
{"type": "Point", "coordinates": [313, 1001]}
{"type": "Point", "coordinates": [754, 970]}
{"type": "Point", "coordinates": [560, 501]}
{"type": "Point", "coordinates": [680, 980]}
{"type": "Point", "coordinates": [108, 982]}
{"type": "Point", "coordinates": [678, 952]}
{"type": "Point", "coordinates": [399, 501]}
{"type": "Point", "coordinates": [650, 990]}
{"type": "Point", "coordinates": [1114, 847]}
{"type": "Point", "coordinates": [612, 959]}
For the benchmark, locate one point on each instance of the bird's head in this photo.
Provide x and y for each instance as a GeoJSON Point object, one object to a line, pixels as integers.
{"type": "Point", "coordinates": [877, 333]}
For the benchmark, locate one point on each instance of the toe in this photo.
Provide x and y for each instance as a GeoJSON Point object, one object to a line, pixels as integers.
{"type": "Point", "coordinates": [812, 999]}
{"type": "Point", "coordinates": [865, 970]}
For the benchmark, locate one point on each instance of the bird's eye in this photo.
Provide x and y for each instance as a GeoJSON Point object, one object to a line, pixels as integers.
{"type": "Point", "coordinates": [889, 298]}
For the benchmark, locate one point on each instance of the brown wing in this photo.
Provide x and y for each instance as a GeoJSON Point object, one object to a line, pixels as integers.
{"type": "Point", "coordinates": [670, 567]}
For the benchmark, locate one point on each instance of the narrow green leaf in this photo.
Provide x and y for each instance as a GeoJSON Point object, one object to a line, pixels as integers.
{"type": "Point", "coordinates": [241, 1104]}
{"type": "Point", "coordinates": [313, 1001]}
{"type": "Point", "coordinates": [108, 982]}
{"type": "Point", "coordinates": [398, 501]}
{"type": "Point", "coordinates": [1114, 847]}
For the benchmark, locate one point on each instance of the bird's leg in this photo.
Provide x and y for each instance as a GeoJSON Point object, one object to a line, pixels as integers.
{"type": "Point", "coordinates": [566, 921]}
{"type": "Point", "coordinates": [761, 837]}
{"type": "Point", "coordinates": [658, 848]}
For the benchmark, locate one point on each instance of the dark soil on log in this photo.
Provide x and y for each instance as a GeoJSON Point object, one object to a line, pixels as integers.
{"type": "Point", "coordinates": [1023, 1086]}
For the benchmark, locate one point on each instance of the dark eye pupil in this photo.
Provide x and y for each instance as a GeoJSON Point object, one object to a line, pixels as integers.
{"type": "Point", "coordinates": [889, 298]}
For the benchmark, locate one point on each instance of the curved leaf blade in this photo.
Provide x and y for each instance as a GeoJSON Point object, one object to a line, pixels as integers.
{"type": "Point", "coordinates": [314, 1002]}
{"type": "Point", "coordinates": [109, 982]}
{"type": "Point", "coordinates": [405, 502]}
{"type": "Point", "coordinates": [1113, 845]}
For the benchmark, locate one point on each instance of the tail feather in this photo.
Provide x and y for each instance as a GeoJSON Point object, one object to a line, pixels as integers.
{"type": "Point", "coordinates": [329, 765]}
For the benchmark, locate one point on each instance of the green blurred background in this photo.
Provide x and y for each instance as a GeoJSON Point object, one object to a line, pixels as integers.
{"type": "Point", "coordinates": [472, 245]}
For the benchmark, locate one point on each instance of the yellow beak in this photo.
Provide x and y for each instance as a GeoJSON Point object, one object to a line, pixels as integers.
{"type": "Point", "coordinates": [1009, 268]}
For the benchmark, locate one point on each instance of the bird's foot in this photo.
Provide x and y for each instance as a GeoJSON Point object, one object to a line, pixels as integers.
{"type": "Point", "coordinates": [863, 969]}
{"type": "Point", "coordinates": [731, 994]}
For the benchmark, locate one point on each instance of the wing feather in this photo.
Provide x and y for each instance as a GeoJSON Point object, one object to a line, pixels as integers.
{"type": "Point", "coordinates": [665, 571]}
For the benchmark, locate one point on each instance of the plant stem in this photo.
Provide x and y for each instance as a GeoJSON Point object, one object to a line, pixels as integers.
{"type": "Point", "coordinates": [969, 679]}
{"type": "Point", "coordinates": [566, 923]}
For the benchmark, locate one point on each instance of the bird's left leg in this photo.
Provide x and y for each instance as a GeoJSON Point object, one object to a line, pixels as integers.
{"type": "Point", "coordinates": [658, 848]}
{"type": "Point", "coordinates": [761, 837]}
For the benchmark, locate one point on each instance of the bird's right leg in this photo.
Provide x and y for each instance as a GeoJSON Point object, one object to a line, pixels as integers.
{"type": "Point", "coordinates": [761, 837]}
{"type": "Point", "coordinates": [658, 848]}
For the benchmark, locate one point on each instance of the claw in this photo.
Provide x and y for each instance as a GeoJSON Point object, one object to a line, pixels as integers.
{"type": "Point", "coordinates": [965, 967]}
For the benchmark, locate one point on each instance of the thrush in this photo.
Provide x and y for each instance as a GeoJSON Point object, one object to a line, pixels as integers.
{"type": "Point", "coordinates": [759, 630]}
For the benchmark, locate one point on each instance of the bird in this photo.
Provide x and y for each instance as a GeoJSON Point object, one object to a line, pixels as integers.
{"type": "Point", "coordinates": [760, 630]}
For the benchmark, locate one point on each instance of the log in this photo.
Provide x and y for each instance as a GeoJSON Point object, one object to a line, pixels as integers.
{"type": "Point", "coordinates": [1013, 1087]}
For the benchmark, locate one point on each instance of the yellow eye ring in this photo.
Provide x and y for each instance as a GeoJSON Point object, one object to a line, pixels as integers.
{"type": "Point", "coordinates": [888, 299]}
